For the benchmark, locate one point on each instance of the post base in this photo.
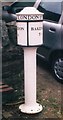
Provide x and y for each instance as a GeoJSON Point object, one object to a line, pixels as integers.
{"type": "Point", "coordinates": [36, 108]}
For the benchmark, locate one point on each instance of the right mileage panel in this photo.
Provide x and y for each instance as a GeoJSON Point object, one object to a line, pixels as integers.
{"type": "Point", "coordinates": [35, 33]}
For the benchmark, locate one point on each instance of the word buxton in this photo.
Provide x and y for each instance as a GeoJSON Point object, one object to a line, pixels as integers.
{"type": "Point", "coordinates": [29, 17]}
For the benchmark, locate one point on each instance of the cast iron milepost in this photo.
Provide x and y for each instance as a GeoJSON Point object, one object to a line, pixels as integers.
{"type": "Point", "coordinates": [30, 36]}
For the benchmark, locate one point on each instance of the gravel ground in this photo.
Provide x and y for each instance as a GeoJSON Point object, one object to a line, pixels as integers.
{"type": "Point", "coordinates": [49, 94]}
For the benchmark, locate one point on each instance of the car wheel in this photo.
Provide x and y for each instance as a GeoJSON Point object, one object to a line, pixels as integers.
{"type": "Point", "coordinates": [57, 67]}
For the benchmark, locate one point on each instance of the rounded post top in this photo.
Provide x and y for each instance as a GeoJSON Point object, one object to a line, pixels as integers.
{"type": "Point", "coordinates": [30, 10]}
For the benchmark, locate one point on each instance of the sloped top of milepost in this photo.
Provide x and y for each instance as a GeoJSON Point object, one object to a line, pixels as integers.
{"type": "Point", "coordinates": [30, 10]}
{"type": "Point", "coordinates": [29, 13]}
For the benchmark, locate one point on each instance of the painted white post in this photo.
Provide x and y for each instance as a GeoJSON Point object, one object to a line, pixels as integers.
{"type": "Point", "coordinates": [30, 75]}
{"type": "Point", "coordinates": [30, 36]}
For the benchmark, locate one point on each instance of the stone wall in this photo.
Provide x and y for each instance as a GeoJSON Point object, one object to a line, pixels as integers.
{"type": "Point", "coordinates": [12, 62]}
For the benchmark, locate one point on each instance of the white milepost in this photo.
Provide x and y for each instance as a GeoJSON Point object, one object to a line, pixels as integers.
{"type": "Point", "coordinates": [30, 36]}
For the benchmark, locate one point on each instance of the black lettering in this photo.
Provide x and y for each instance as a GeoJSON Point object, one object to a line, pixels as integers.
{"type": "Point", "coordinates": [40, 17]}
{"type": "Point", "coordinates": [18, 16]}
{"type": "Point", "coordinates": [20, 28]}
{"type": "Point", "coordinates": [36, 17]}
{"type": "Point", "coordinates": [36, 28]}
{"type": "Point", "coordinates": [25, 17]}
{"type": "Point", "coordinates": [29, 17]}
{"type": "Point", "coordinates": [33, 17]}
{"type": "Point", "coordinates": [32, 28]}
{"type": "Point", "coordinates": [21, 17]}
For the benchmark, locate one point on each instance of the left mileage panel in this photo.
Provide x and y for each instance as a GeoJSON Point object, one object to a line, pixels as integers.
{"type": "Point", "coordinates": [22, 33]}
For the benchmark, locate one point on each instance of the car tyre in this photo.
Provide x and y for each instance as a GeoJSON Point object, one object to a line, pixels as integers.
{"type": "Point", "coordinates": [57, 68]}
